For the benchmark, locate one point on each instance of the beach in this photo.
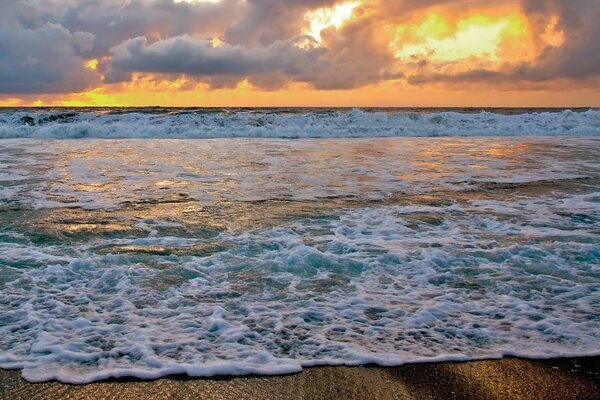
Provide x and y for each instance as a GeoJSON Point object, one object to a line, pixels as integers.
{"type": "Point", "coordinates": [145, 258]}
{"type": "Point", "coordinates": [507, 379]}
{"type": "Point", "coordinates": [308, 199]}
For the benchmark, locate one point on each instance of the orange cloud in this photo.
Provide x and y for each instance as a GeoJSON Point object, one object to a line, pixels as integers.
{"type": "Point", "coordinates": [309, 52]}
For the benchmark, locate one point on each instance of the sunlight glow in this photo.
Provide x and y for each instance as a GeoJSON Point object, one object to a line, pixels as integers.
{"type": "Point", "coordinates": [217, 42]}
{"type": "Point", "coordinates": [552, 36]}
{"type": "Point", "coordinates": [327, 17]}
{"type": "Point", "coordinates": [11, 102]}
{"type": "Point", "coordinates": [92, 64]}
{"type": "Point", "coordinates": [476, 36]}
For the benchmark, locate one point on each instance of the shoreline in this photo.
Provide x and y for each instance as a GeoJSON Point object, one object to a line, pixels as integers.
{"type": "Point", "coordinates": [506, 378]}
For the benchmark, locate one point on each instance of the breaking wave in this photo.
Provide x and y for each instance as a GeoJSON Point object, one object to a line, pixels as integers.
{"type": "Point", "coordinates": [291, 123]}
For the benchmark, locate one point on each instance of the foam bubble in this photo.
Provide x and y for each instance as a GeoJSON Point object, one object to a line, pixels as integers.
{"type": "Point", "coordinates": [385, 284]}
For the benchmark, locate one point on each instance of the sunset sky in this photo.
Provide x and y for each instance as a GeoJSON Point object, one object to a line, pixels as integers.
{"type": "Point", "coordinates": [300, 52]}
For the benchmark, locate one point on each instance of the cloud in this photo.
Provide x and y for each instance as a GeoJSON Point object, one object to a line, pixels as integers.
{"type": "Point", "coordinates": [46, 43]}
{"type": "Point", "coordinates": [264, 49]}
{"type": "Point", "coordinates": [114, 21]}
{"type": "Point", "coordinates": [47, 59]}
{"type": "Point", "coordinates": [196, 57]}
{"type": "Point", "coordinates": [345, 64]}
{"type": "Point", "coordinates": [267, 21]}
{"type": "Point", "coordinates": [578, 58]}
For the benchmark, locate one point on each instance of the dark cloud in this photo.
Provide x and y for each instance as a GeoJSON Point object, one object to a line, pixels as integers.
{"type": "Point", "coordinates": [354, 56]}
{"type": "Point", "coordinates": [266, 21]}
{"type": "Point", "coordinates": [345, 64]}
{"type": "Point", "coordinates": [194, 57]}
{"type": "Point", "coordinates": [45, 59]}
{"type": "Point", "coordinates": [44, 42]}
{"type": "Point", "coordinates": [265, 48]}
{"type": "Point", "coordinates": [114, 21]}
{"type": "Point", "coordinates": [579, 56]}
{"type": "Point", "coordinates": [268, 55]}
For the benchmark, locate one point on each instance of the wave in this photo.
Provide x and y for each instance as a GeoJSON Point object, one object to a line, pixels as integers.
{"type": "Point", "coordinates": [289, 123]}
{"type": "Point", "coordinates": [382, 285]}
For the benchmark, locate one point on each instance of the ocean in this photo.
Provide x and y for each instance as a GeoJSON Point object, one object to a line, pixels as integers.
{"type": "Point", "coordinates": [150, 242]}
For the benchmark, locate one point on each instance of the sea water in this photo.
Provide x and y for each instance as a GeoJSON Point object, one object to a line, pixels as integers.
{"type": "Point", "coordinates": [138, 251]}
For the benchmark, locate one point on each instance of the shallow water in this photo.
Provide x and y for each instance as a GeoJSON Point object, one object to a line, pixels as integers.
{"type": "Point", "coordinates": [231, 256]}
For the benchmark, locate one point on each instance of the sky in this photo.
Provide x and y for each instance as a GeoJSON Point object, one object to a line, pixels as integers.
{"type": "Point", "coordinates": [370, 53]}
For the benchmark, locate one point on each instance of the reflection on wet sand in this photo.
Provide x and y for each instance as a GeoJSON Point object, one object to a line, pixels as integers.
{"type": "Point", "coordinates": [101, 174]}
{"type": "Point", "coordinates": [182, 216]}
{"type": "Point", "coordinates": [507, 379]}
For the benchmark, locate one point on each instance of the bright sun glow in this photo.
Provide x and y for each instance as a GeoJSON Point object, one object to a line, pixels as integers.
{"type": "Point", "coordinates": [326, 17]}
{"type": "Point", "coordinates": [92, 64]}
{"type": "Point", "coordinates": [552, 36]}
{"type": "Point", "coordinates": [476, 36]}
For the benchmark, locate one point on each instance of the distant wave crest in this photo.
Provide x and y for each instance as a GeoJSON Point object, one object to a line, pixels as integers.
{"type": "Point", "coordinates": [289, 123]}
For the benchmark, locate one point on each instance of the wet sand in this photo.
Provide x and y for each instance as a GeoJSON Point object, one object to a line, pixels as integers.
{"type": "Point", "coordinates": [509, 378]}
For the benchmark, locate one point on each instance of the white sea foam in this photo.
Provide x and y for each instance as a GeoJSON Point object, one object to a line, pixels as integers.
{"type": "Point", "coordinates": [390, 251]}
{"type": "Point", "coordinates": [385, 285]}
{"type": "Point", "coordinates": [297, 124]}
